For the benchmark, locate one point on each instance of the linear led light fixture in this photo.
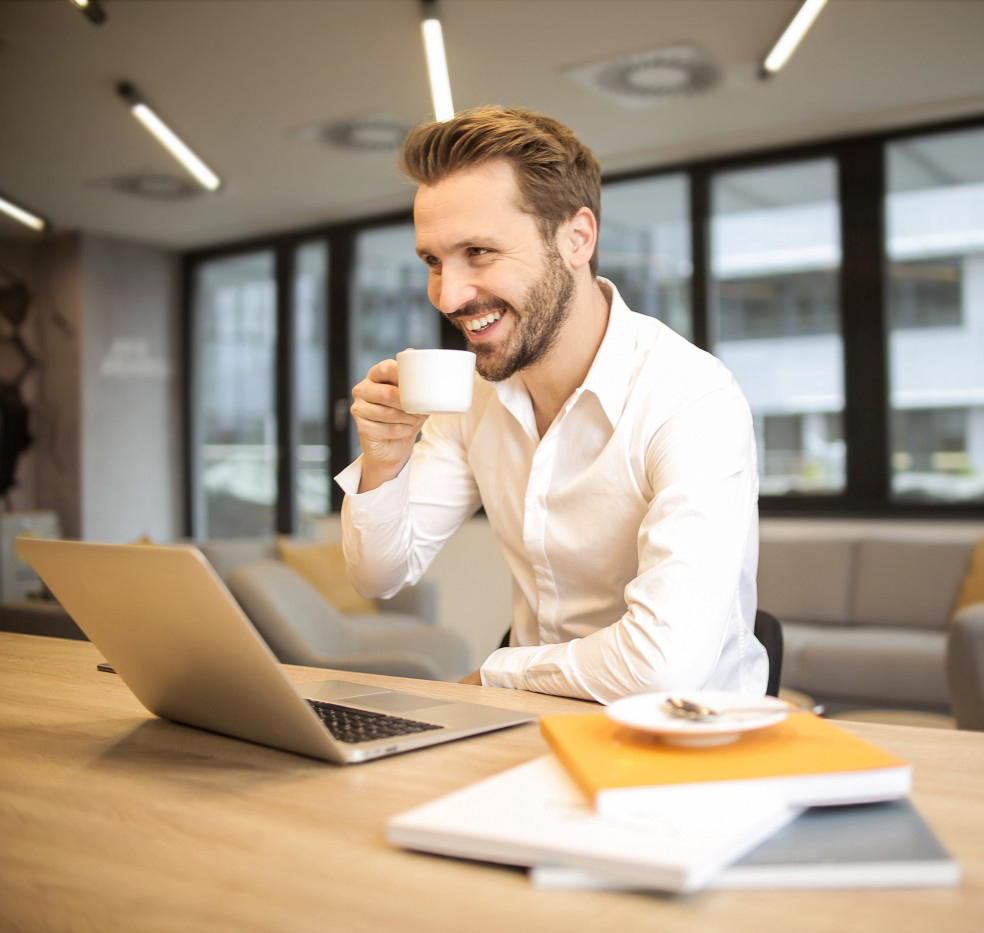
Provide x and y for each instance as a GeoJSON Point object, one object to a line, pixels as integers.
{"type": "Point", "coordinates": [783, 49]}
{"type": "Point", "coordinates": [168, 138]}
{"type": "Point", "coordinates": [437, 62]}
{"type": "Point", "coordinates": [92, 9]}
{"type": "Point", "coordinates": [20, 214]}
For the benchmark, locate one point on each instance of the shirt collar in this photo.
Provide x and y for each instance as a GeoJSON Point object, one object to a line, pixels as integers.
{"type": "Point", "coordinates": [611, 369]}
{"type": "Point", "coordinates": [607, 378]}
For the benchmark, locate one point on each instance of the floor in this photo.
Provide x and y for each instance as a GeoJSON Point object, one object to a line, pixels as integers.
{"type": "Point", "coordinates": [898, 717]}
{"type": "Point", "coordinates": [894, 717]}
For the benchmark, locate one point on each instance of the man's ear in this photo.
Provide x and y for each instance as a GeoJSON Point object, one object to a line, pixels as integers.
{"type": "Point", "coordinates": [580, 237]}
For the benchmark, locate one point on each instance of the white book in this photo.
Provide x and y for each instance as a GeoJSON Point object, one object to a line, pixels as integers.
{"type": "Point", "coordinates": [535, 814]}
{"type": "Point", "coordinates": [877, 845]}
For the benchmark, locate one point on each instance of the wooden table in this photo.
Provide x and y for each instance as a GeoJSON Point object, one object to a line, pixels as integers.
{"type": "Point", "coordinates": [113, 820]}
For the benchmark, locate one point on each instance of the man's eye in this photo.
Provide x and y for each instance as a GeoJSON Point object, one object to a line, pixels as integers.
{"type": "Point", "coordinates": [478, 251]}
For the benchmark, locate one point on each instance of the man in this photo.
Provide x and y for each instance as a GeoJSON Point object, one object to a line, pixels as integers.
{"type": "Point", "coordinates": [614, 460]}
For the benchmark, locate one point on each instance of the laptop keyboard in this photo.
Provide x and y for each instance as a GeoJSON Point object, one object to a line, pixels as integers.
{"type": "Point", "coordinates": [359, 725]}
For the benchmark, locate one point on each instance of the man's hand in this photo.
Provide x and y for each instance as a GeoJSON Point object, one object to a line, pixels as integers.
{"type": "Point", "coordinates": [386, 432]}
{"type": "Point", "coordinates": [473, 678]}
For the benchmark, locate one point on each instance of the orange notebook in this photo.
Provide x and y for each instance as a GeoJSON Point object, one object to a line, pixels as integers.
{"type": "Point", "coordinates": [805, 760]}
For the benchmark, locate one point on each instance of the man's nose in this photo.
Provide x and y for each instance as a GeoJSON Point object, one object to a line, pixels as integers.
{"type": "Point", "coordinates": [453, 289]}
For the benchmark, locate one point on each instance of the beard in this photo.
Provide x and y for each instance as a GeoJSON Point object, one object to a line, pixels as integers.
{"type": "Point", "coordinates": [538, 323]}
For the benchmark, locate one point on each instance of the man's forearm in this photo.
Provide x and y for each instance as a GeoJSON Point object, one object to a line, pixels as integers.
{"type": "Point", "coordinates": [375, 475]}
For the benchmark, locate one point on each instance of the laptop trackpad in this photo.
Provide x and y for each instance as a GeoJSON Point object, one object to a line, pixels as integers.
{"type": "Point", "coordinates": [400, 702]}
{"type": "Point", "coordinates": [334, 691]}
{"type": "Point", "coordinates": [338, 691]}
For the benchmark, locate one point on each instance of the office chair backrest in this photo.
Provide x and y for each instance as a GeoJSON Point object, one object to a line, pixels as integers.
{"type": "Point", "coordinates": [768, 630]}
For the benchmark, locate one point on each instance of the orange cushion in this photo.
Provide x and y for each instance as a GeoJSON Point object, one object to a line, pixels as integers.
{"type": "Point", "coordinates": [323, 566]}
{"type": "Point", "coordinates": [972, 590]}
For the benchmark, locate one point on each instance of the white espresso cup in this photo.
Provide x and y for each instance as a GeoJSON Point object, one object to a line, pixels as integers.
{"type": "Point", "coordinates": [433, 381]}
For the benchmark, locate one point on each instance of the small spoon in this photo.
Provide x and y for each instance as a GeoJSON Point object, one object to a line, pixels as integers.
{"type": "Point", "coordinates": [688, 709]}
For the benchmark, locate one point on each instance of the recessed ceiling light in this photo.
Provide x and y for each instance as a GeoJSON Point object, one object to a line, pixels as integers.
{"type": "Point", "coordinates": [154, 186]}
{"type": "Point", "coordinates": [379, 132]}
{"type": "Point", "coordinates": [648, 78]}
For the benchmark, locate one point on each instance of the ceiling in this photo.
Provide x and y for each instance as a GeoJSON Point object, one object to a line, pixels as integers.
{"type": "Point", "coordinates": [242, 80]}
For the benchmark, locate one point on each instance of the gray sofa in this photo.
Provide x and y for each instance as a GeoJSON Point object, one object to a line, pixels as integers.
{"type": "Point", "coordinates": [866, 613]}
{"type": "Point", "coordinates": [965, 666]}
{"type": "Point", "coordinates": [418, 603]}
{"type": "Point", "coordinates": [400, 637]}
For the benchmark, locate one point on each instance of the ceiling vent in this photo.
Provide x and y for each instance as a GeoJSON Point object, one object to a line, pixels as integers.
{"type": "Point", "coordinates": [377, 132]}
{"type": "Point", "coordinates": [155, 187]}
{"type": "Point", "coordinates": [649, 78]}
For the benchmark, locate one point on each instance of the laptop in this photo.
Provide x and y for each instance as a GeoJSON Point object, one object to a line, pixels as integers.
{"type": "Point", "coordinates": [170, 628]}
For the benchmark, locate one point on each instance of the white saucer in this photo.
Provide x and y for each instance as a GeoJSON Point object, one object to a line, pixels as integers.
{"type": "Point", "coordinates": [648, 712]}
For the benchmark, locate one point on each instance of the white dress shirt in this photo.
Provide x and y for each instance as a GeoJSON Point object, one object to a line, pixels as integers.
{"type": "Point", "coordinates": [630, 527]}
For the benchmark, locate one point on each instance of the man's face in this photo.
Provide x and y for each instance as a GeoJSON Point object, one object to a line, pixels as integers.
{"type": "Point", "coordinates": [491, 272]}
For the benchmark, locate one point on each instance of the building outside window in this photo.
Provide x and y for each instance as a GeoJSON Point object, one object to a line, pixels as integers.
{"type": "Point", "coordinates": [644, 246]}
{"type": "Point", "coordinates": [935, 269]}
{"type": "Point", "coordinates": [236, 441]}
{"type": "Point", "coordinates": [390, 309]}
{"type": "Point", "coordinates": [775, 316]}
{"type": "Point", "coordinates": [782, 305]}
{"type": "Point", "coordinates": [311, 355]}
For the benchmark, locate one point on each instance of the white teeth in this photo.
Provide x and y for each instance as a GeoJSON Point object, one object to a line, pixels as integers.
{"type": "Point", "coordinates": [479, 323]}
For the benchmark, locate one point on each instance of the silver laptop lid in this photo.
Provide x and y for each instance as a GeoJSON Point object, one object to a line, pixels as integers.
{"type": "Point", "coordinates": [169, 627]}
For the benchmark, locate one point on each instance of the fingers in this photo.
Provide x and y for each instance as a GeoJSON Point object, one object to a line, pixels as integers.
{"type": "Point", "coordinates": [376, 406]}
{"type": "Point", "coordinates": [376, 401]}
{"type": "Point", "coordinates": [385, 371]}
{"type": "Point", "coordinates": [386, 432]}
{"type": "Point", "coordinates": [380, 403]}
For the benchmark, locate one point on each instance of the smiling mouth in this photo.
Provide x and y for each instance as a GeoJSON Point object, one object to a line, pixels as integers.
{"type": "Point", "coordinates": [477, 324]}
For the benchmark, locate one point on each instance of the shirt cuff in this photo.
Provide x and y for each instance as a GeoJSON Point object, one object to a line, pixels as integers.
{"type": "Point", "coordinates": [350, 477]}
{"type": "Point", "coordinates": [540, 668]}
{"type": "Point", "coordinates": [385, 501]}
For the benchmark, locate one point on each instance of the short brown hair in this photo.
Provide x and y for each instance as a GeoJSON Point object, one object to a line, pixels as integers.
{"type": "Point", "coordinates": [556, 173]}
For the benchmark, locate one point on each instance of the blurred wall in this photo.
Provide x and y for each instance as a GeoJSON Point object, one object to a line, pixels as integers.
{"type": "Point", "coordinates": [105, 398]}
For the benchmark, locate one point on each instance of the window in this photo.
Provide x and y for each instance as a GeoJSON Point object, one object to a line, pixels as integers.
{"type": "Point", "coordinates": [931, 440]}
{"type": "Point", "coordinates": [390, 309]}
{"type": "Point", "coordinates": [926, 293]}
{"type": "Point", "coordinates": [775, 319]}
{"type": "Point", "coordinates": [644, 247]}
{"type": "Point", "coordinates": [311, 354]}
{"type": "Point", "coordinates": [790, 305]}
{"type": "Point", "coordinates": [935, 271]}
{"type": "Point", "coordinates": [236, 443]}
{"type": "Point", "coordinates": [842, 283]}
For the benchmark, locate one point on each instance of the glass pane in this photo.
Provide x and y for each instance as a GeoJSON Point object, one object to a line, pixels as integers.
{"type": "Point", "coordinates": [235, 313]}
{"type": "Point", "coordinates": [390, 308]}
{"type": "Point", "coordinates": [311, 355]}
{"type": "Point", "coordinates": [645, 246]}
{"type": "Point", "coordinates": [775, 258]}
{"type": "Point", "coordinates": [935, 306]}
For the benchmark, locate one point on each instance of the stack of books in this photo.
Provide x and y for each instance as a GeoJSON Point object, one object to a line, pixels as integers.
{"type": "Point", "coordinates": [801, 803]}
